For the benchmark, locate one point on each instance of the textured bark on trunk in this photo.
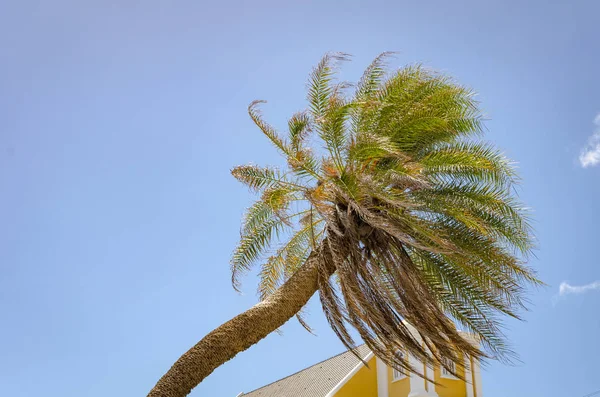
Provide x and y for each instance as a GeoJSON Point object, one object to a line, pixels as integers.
{"type": "Point", "coordinates": [239, 333]}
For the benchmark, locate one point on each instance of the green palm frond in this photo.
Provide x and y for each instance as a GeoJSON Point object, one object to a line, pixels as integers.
{"type": "Point", "coordinates": [269, 131]}
{"type": "Point", "coordinates": [261, 178]}
{"type": "Point", "coordinates": [320, 85]}
{"type": "Point", "coordinates": [473, 162]}
{"type": "Point", "coordinates": [253, 244]}
{"type": "Point", "coordinates": [289, 257]}
{"type": "Point", "coordinates": [265, 220]}
{"type": "Point", "coordinates": [416, 215]}
{"type": "Point", "coordinates": [301, 160]}
{"type": "Point", "coordinates": [373, 76]}
{"type": "Point", "coordinates": [333, 130]}
{"type": "Point", "coordinates": [299, 128]}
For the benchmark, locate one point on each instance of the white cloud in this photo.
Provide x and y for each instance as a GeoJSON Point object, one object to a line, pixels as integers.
{"type": "Point", "coordinates": [566, 288]}
{"type": "Point", "coordinates": [590, 155]}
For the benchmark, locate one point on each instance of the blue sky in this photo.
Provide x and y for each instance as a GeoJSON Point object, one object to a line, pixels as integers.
{"type": "Point", "coordinates": [120, 121]}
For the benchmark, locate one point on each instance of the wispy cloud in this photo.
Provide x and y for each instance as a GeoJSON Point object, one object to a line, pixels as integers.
{"type": "Point", "coordinates": [566, 288]}
{"type": "Point", "coordinates": [590, 155]}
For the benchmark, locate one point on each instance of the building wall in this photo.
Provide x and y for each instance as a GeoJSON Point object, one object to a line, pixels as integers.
{"type": "Point", "coordinates": [362, 384]}
{"type": "Point", "coordinates": [398, 388]}
{"type": "Point", "coordinates": [447, 387]}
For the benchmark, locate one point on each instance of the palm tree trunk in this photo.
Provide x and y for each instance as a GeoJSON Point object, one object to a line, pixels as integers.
{"type": "Point", "coordinates": [239, 333]}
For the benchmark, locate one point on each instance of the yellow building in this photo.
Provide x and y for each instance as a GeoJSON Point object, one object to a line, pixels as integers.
{"type": "Point", "coordinates": [345, 376]}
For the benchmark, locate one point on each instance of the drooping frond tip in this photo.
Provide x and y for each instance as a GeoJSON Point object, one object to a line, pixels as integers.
{"type": "Point", "coordinates": [320, 82]}
{"type": "Point", "coordinates": [411, 211]}
{"type": "Point", "coordinates": [373, 75]}
{"type": "Point", "coordinates": [270, 132]}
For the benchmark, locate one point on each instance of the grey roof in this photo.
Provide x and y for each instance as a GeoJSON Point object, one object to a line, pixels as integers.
{"type": "Point", "coordinates": [315, 381]}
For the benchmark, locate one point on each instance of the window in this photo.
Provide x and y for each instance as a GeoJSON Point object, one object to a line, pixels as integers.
{"type": "Point", "coordinates": [451, 365]}
{"type": "Point", "coordinates": [397, 375]}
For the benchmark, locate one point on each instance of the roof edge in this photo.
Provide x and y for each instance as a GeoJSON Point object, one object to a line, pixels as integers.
{"type": "Point", "coordinates": [349, 375]}
{"type": "Point", "coordinates": [303, 369]}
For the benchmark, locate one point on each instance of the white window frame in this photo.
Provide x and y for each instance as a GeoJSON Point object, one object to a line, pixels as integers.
{"type": "Point", "coordinates": [444, 373]}
{"type": "Point", "coordinates": [398, 375]}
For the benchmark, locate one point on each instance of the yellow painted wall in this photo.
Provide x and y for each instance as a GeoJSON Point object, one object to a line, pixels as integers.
{"type": "Point", "coordinates": [450, 387]}
{"type": "Point", "coordinates": [399, 388]}
{"type": "Point", "coordinates": [362, 384]}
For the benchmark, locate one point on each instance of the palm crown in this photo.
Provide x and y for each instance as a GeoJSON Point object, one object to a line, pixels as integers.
{"type": "Point", "coordinates": [414, 217]}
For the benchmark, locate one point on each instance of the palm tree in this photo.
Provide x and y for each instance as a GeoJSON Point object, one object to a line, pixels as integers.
{"type": "Point", "coordinates": [400, 215]}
